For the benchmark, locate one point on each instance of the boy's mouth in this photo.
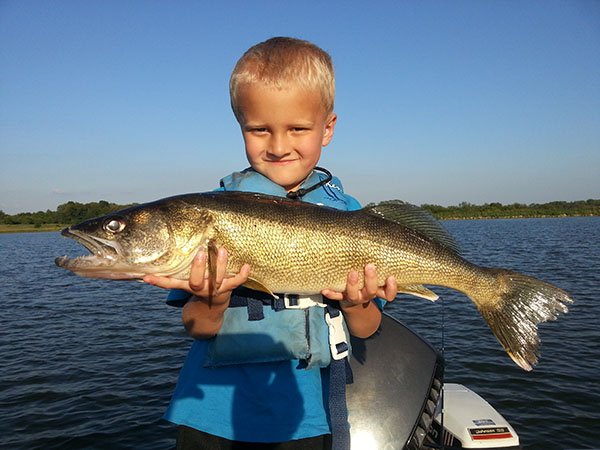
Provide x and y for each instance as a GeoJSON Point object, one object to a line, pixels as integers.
{"type": "Point", "coordinates": [281, 161]}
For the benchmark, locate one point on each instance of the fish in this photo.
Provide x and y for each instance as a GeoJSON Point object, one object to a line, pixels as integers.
{"type": "Point", "coordinates": [300, 248]}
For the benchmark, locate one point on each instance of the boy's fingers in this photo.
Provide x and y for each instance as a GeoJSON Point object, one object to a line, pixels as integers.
{"type": "Point", "coordinates": [352, 291]}
{"type": "Point", "coordinates": [391, 289]}
{"type": "Point", "coordinates": [370, 281]}
{"type": "Point", "coordinates": [231, 283]}
{"type": "Point", "coordinates": [332, 295]}
{"type": "Point", "coordinates": [221, 267]}
{"type": "Point", "coordinates": [244, 273]}
{"type": "Point", "coordinates": [164, 282]}
{"type": "Point", "coordinates": [196, 281]}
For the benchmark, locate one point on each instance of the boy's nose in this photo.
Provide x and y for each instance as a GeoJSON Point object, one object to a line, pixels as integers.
{"type": "Point", "coordinates": [278, 146]}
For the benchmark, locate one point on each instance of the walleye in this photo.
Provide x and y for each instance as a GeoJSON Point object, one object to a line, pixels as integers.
{"type": "Point", "coordinates": [300, 248]}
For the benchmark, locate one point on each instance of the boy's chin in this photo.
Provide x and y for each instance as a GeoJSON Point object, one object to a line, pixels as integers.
{"type": "Point", "coordinates": [288, 181]}
{"type": "Point", "coordinates": [290, 184]}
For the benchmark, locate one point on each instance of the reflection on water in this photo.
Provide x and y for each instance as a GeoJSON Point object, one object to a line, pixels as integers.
{"type": "Point", "coordinates": [92, 363]}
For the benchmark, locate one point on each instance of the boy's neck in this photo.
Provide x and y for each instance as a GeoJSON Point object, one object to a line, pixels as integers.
{"type": "Point", "coordinates": [301, 192]}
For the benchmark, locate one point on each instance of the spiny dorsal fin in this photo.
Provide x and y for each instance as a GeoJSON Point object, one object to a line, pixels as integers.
{"type": "Point", "coordinates": [413, 217]}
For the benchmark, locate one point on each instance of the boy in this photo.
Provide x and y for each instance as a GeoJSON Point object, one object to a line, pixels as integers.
{"type": "Point", "coordinates": [282, 94]}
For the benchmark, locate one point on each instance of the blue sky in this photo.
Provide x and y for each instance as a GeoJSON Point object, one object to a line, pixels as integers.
{"type": "Point", "coordinates": [438, 101]}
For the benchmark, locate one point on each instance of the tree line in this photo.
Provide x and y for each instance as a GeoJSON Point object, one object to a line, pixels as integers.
{"type": "Point", "coordinates": [467, 210]}
{"type": "Point", "coordinates": [67, 214]}
{"type": "Point", "coordinates": [74, 212]}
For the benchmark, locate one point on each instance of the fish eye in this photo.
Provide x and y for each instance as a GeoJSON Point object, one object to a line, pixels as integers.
{"type": "Point", "coordinates": [114, 225]}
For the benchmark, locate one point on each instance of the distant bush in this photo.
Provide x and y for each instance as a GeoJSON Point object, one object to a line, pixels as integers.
{"type": "Point", "coordinates": [67, 213]}
{"type": "Point", "coordinates": [496, 210]}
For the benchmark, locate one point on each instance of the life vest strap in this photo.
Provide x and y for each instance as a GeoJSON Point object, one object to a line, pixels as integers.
{"type": "Point", "coordinates": [294, 301]}
{"type": "Point", "coordinates": [339, 374]}
{"type": "Point", "coordinates": [338, 341]}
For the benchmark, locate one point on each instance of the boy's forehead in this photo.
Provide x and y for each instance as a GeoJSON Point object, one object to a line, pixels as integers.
{"type": "Point", "coordinates": [287, 100]}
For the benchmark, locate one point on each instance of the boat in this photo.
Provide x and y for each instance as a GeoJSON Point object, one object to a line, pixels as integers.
{"type": "Point", "coordinates": [399, 400]}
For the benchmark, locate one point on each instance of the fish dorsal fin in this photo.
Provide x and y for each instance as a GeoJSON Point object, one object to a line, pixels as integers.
{"type": "Point", "coordinates": [251, 283]}
{"type": "Point", "coordinates": [415, 218]}
{"type": "Point", "coordinates": [418, 290]}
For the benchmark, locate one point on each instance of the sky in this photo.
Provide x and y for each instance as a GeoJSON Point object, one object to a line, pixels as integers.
{"type": "Point", "coordinates": [438, 102]}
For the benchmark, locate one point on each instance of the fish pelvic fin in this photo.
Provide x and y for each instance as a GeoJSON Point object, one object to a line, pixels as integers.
{"type": "Point", "coordinates": [415, 218]}
{"type": "Point", "coordinates": [251, 283]}
{"type": "Point", "coordinates": [418, 290]}
{"type": "Point", "coordinates": [513, 313]}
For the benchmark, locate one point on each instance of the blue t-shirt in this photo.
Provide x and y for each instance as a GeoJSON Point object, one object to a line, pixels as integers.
{"type": "Point", "coordinates": [264, 402]}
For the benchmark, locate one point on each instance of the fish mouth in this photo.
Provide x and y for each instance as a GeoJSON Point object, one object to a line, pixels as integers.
{"type": "Point", "coordinates": [101, 248]}
{"type": "Point", "coordinates": [104, 254]}
{"type": "Point", "coordinates": [108, 260]}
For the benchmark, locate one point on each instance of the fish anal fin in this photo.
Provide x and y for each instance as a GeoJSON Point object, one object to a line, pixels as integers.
{"type": "Point", "coordinates": [251, 283]}
{"type": "Point", "coordinates": [418, 290]}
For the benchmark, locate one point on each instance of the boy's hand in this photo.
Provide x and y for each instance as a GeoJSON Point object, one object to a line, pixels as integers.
{"type": "Point", "coordinates": [354, 296]}
{"type": "Point", "coordinates": [362, 316]}
{"type": "Point", "coordinates": [218, 287]}
{"type": "Point", "coordinates": [202, 315]}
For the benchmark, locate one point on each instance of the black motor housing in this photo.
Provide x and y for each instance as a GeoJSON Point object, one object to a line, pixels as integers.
{"type": "Point", "coordinates": [397, 384]}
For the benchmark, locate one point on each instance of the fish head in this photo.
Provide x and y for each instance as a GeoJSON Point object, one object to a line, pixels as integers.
{"type": "Point", "coordinates": [146, 239]}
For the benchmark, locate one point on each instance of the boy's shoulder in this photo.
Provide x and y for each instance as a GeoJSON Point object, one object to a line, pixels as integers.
{"type": "Point", "coordinates": [334, 192]}
{"type": "Point", "coordinates": [249, 180]}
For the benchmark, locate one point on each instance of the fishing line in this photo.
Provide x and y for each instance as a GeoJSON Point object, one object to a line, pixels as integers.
{"type": "Point", "coordinates": [441, 438]}
{"type": "Point", "coordinates": [442, 389]}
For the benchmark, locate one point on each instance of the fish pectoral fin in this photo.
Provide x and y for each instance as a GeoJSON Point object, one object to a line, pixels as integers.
{"type": "Point", "coordinates": [211, 256]}
{"type": "Point", "coordinates": [418, 290]}
{"type": "Point", "coordinates": [251, 283]}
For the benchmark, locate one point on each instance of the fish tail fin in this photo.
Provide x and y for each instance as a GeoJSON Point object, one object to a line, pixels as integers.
{"type": "Point", "coordinates": [514, 308]}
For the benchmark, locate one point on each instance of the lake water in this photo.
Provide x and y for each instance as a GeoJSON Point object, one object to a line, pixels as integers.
{"type": "Point", "coordinates": [92, 363]}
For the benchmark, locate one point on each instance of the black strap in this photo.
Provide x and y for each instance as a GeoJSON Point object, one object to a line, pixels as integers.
{"type": "Point", "coordinates": [339, 374]}
{"type": "Point", "coordinates": [255, 309]}
{"type": "Point", "coordinates": [297, 194]}
{"type": "Point", "coordinates": [255, 300]}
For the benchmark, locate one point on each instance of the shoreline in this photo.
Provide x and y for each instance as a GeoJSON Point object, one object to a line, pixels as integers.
{"type": "Point", "coordinates": [52, 227]}
{"type": "Point", "coordinates": [30, 228]}
{"type": "Point", "coordinates": [561, 216]}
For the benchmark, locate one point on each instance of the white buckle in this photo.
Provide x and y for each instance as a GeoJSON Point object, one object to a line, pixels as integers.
{"type": "Point", "coordinates": [303, 302]}
{"type": "Point", "coordinates": [337, 335]}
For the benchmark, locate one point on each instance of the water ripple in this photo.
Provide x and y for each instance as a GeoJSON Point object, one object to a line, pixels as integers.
{"type": "Point", "coordinates": [92, 364]}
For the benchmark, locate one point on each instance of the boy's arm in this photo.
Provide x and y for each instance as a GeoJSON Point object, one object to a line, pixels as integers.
{"type": "Point", "coordinates": [362, 315]}
{"type": "Point", "coordinates": [202, 315]}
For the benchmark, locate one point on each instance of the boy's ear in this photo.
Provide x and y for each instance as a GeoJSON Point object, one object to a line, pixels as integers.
{"type": "Point", "coordinates": [329, 126]}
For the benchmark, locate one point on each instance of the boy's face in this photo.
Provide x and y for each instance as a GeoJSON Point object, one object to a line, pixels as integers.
{"type": "Point", "coordinates": [284, 131]}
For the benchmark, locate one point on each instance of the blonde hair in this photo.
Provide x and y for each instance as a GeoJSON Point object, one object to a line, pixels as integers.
{"type": "Point", "coordinates": [281, 61]}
